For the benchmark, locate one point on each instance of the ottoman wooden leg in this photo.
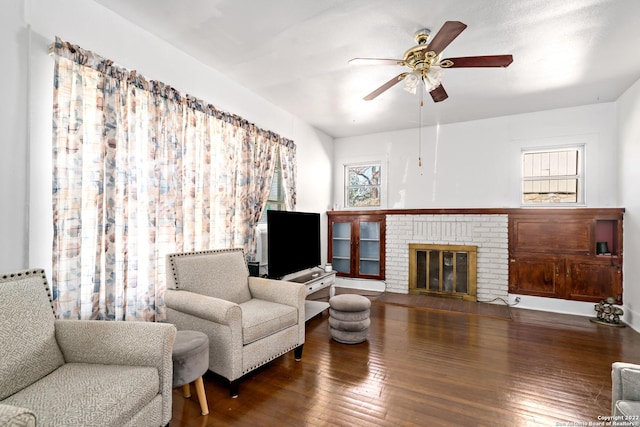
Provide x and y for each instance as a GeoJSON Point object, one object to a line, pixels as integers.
{"type": "Point", "coordinates": [186, 390]}
{"type": "Point", "coordinates": [202, 397]}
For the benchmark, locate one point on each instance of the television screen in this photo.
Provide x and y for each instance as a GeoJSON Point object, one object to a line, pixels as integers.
{"type": "Point", "coordinates": [293, 242]}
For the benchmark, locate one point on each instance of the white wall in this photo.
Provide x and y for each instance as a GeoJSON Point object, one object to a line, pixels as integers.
{"type": "Point", "coordinates": [629, 196]}
{"type": "Point", "coordinates": [28, 27]}
{"type": "Point", "coordinates": [13, 139]}
{"type": "Point", "coordinates": [477, 163]}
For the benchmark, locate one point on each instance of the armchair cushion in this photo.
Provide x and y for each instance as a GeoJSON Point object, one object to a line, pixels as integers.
{"type": "Point", "coordinates": [194, 272]}
{"type": "Point", "coordinates": [90, 394]}
{"type": "Point", "coordinates": [263, 318]}
{"type": "Point", "coordinates": [33, 352]}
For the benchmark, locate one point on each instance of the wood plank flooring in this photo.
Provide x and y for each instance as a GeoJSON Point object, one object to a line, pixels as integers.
{"type": "Point", "coordinates": [426, 367]}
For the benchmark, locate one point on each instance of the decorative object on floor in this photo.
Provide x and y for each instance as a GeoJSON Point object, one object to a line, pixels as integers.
{"type": "Point", "coordinates": [249, 320]}
{"type": "Point", "coordinates": [625, 383]}
{"type": "Point", "coordinates": [79, 372]}
{"type": "Point", "coordinates": [190, 363]}
{"type": "Point", "coordinates": [349, 318]}
{"type": "Point", "coordinates": [607, 313]}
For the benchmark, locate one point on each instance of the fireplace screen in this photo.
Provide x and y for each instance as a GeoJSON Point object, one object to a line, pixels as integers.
{"type": "Point", "coordinates": [443, 270]}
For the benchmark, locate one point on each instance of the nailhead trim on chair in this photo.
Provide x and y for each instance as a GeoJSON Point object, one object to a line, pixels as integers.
{"type": "Point", "coordinates": [211, 251]}
{"type": "Point", "coordinates": [37, 272]}
{"type": "Point", "coordinates": [246, 371]}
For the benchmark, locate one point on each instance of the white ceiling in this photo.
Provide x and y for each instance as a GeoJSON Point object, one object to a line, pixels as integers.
{"type": "Point", "coordinates": [295, 53]}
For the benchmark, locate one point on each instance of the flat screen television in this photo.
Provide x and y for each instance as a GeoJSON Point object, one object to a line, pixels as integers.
{"type": "Point", "coordinates": [293, 242]}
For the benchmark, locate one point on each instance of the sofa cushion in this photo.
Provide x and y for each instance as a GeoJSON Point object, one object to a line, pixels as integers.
{"type": "Point", "coordinates": [65, 397]}
{"type": "Point", "coordinates": [221, 274]}
{"type": "Point", "coordinates": [29, 350]}
{"type": "Point", "coordinates": [263, 318]}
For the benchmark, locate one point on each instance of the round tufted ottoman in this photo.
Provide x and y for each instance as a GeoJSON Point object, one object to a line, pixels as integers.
{"type": "Point", "coordinates": [349, 318]}
{"type": "Point", "coordinates": [190, 362]}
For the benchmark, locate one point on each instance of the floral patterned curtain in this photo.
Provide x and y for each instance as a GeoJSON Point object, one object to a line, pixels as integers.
{"type": "Point", "coordinates": [289, 172]}
{"type": "Point", "coordinates": [139, 171]}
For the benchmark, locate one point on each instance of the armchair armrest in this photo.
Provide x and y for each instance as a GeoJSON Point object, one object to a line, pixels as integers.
{"type": "Point", "coordinates": [117, 343]}
{"type": "Point", "coordinates": [280, 291]}
{"type": "Point", "coordinates": [15, 416]}
{"type": "Point", "coordinates": [625, 382]}
{"type": "Point", "coordinates": [203, 306]}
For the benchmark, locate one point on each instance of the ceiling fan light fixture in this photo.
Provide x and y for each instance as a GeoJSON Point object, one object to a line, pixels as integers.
{"type": "Point", "coordinates": [411, 83]}
{"type": "Point", "coordinates": [432, 78]}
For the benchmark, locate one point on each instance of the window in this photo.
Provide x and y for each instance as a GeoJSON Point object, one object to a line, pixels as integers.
{"type": "Point", "coordinates": [362, 184]}
{"type": "Point", "coordinates": [552, 176]}
{"type": "Point", "coordinates": [276, 195]}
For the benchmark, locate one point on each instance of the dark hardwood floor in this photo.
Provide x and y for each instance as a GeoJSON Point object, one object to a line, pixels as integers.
{"type": "Point", "coordinates": [431, 367]}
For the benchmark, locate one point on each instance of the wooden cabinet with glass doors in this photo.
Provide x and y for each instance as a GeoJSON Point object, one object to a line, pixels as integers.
{"type": "Point", "coordinates": [356, 244]}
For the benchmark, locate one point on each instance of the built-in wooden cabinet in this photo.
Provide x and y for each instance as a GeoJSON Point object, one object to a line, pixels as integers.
{"type": "Point", "coordinates": [357, 244]}
{"type": "Point", "coordinates": [560, 253]}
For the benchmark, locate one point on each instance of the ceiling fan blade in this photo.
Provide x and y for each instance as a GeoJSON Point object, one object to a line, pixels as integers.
{"type": "Point", "coordinates": [394, 81]}
{"type": "Point", "coordinates": [449, 31]}
{"type": "Point", "coordinates": [477, 61]}
{"type": "Point", "coordinates": [439, 94]}
{"type": "Point", "coordinates": [376, 61]}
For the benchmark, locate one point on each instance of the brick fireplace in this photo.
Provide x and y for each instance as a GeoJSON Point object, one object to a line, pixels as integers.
{"type": "Point", "coordinates": [487, 232]}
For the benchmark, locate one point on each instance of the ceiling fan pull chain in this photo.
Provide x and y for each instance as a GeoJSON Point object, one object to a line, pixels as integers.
{"type": "Point", "coordinates": [420, 127]}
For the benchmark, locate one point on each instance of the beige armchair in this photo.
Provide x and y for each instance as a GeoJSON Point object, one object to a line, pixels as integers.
{"type": "Point", "coordinates": [625, 393]}
{"type": "Point", "coordinates": [78, 372]}
{"type": "Point", "coordinates": [249, 320]}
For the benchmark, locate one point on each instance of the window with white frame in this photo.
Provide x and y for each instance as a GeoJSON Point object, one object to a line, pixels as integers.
{"type": "Point", "coordinates": [362, 185]}
{"type": "Point", "coordinates": [553, 176]}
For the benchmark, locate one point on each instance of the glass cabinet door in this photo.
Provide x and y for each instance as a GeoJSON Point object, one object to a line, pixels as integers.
{"type": "Point", "coordinates": [369, 258]}
{"type": "Point", "coordinates": [341, 247]}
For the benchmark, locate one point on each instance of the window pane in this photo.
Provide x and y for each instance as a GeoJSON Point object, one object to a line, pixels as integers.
{"type": "Point", "coordinates": [364, 175]}
{"type": "Point", "coordinates": [362, 185]}
{"type": "Point", "coordinates": [551, 176]}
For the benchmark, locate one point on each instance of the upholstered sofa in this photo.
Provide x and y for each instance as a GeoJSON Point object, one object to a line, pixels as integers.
{"type": "Point", "coordinates": [625, 393]}
{"type": "Point", "coordinates": [78, 372]}
{"type": "Point", "coordinates": [249, 320]}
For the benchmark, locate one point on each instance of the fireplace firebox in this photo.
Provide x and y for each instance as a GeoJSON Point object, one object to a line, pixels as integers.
{"type": "Point", "coordinates": [443, 270]}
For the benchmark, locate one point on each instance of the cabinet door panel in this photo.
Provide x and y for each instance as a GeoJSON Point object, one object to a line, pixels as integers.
{"type": "Point", "coordinates": [369, 248]}
{"type": "Point", "coordinates": [536, 276]}
{"type": "Point", "coordinates": [541, 236]}
{"type": "Point", "coordinates": [593, 280]}
{"type": "Point", "coordinates": [340, 247]}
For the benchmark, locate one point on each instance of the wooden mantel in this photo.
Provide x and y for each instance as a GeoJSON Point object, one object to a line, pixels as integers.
{"type": "Point", "coordinates": [478, 211]}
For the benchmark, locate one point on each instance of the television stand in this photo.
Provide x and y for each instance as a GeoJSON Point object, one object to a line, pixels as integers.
{"type": "Point", "coordinates": [314, 280]}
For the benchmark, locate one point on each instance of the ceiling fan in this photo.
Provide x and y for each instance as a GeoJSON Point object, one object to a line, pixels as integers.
{"type": "Point", "coordinates": [422, 57]}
